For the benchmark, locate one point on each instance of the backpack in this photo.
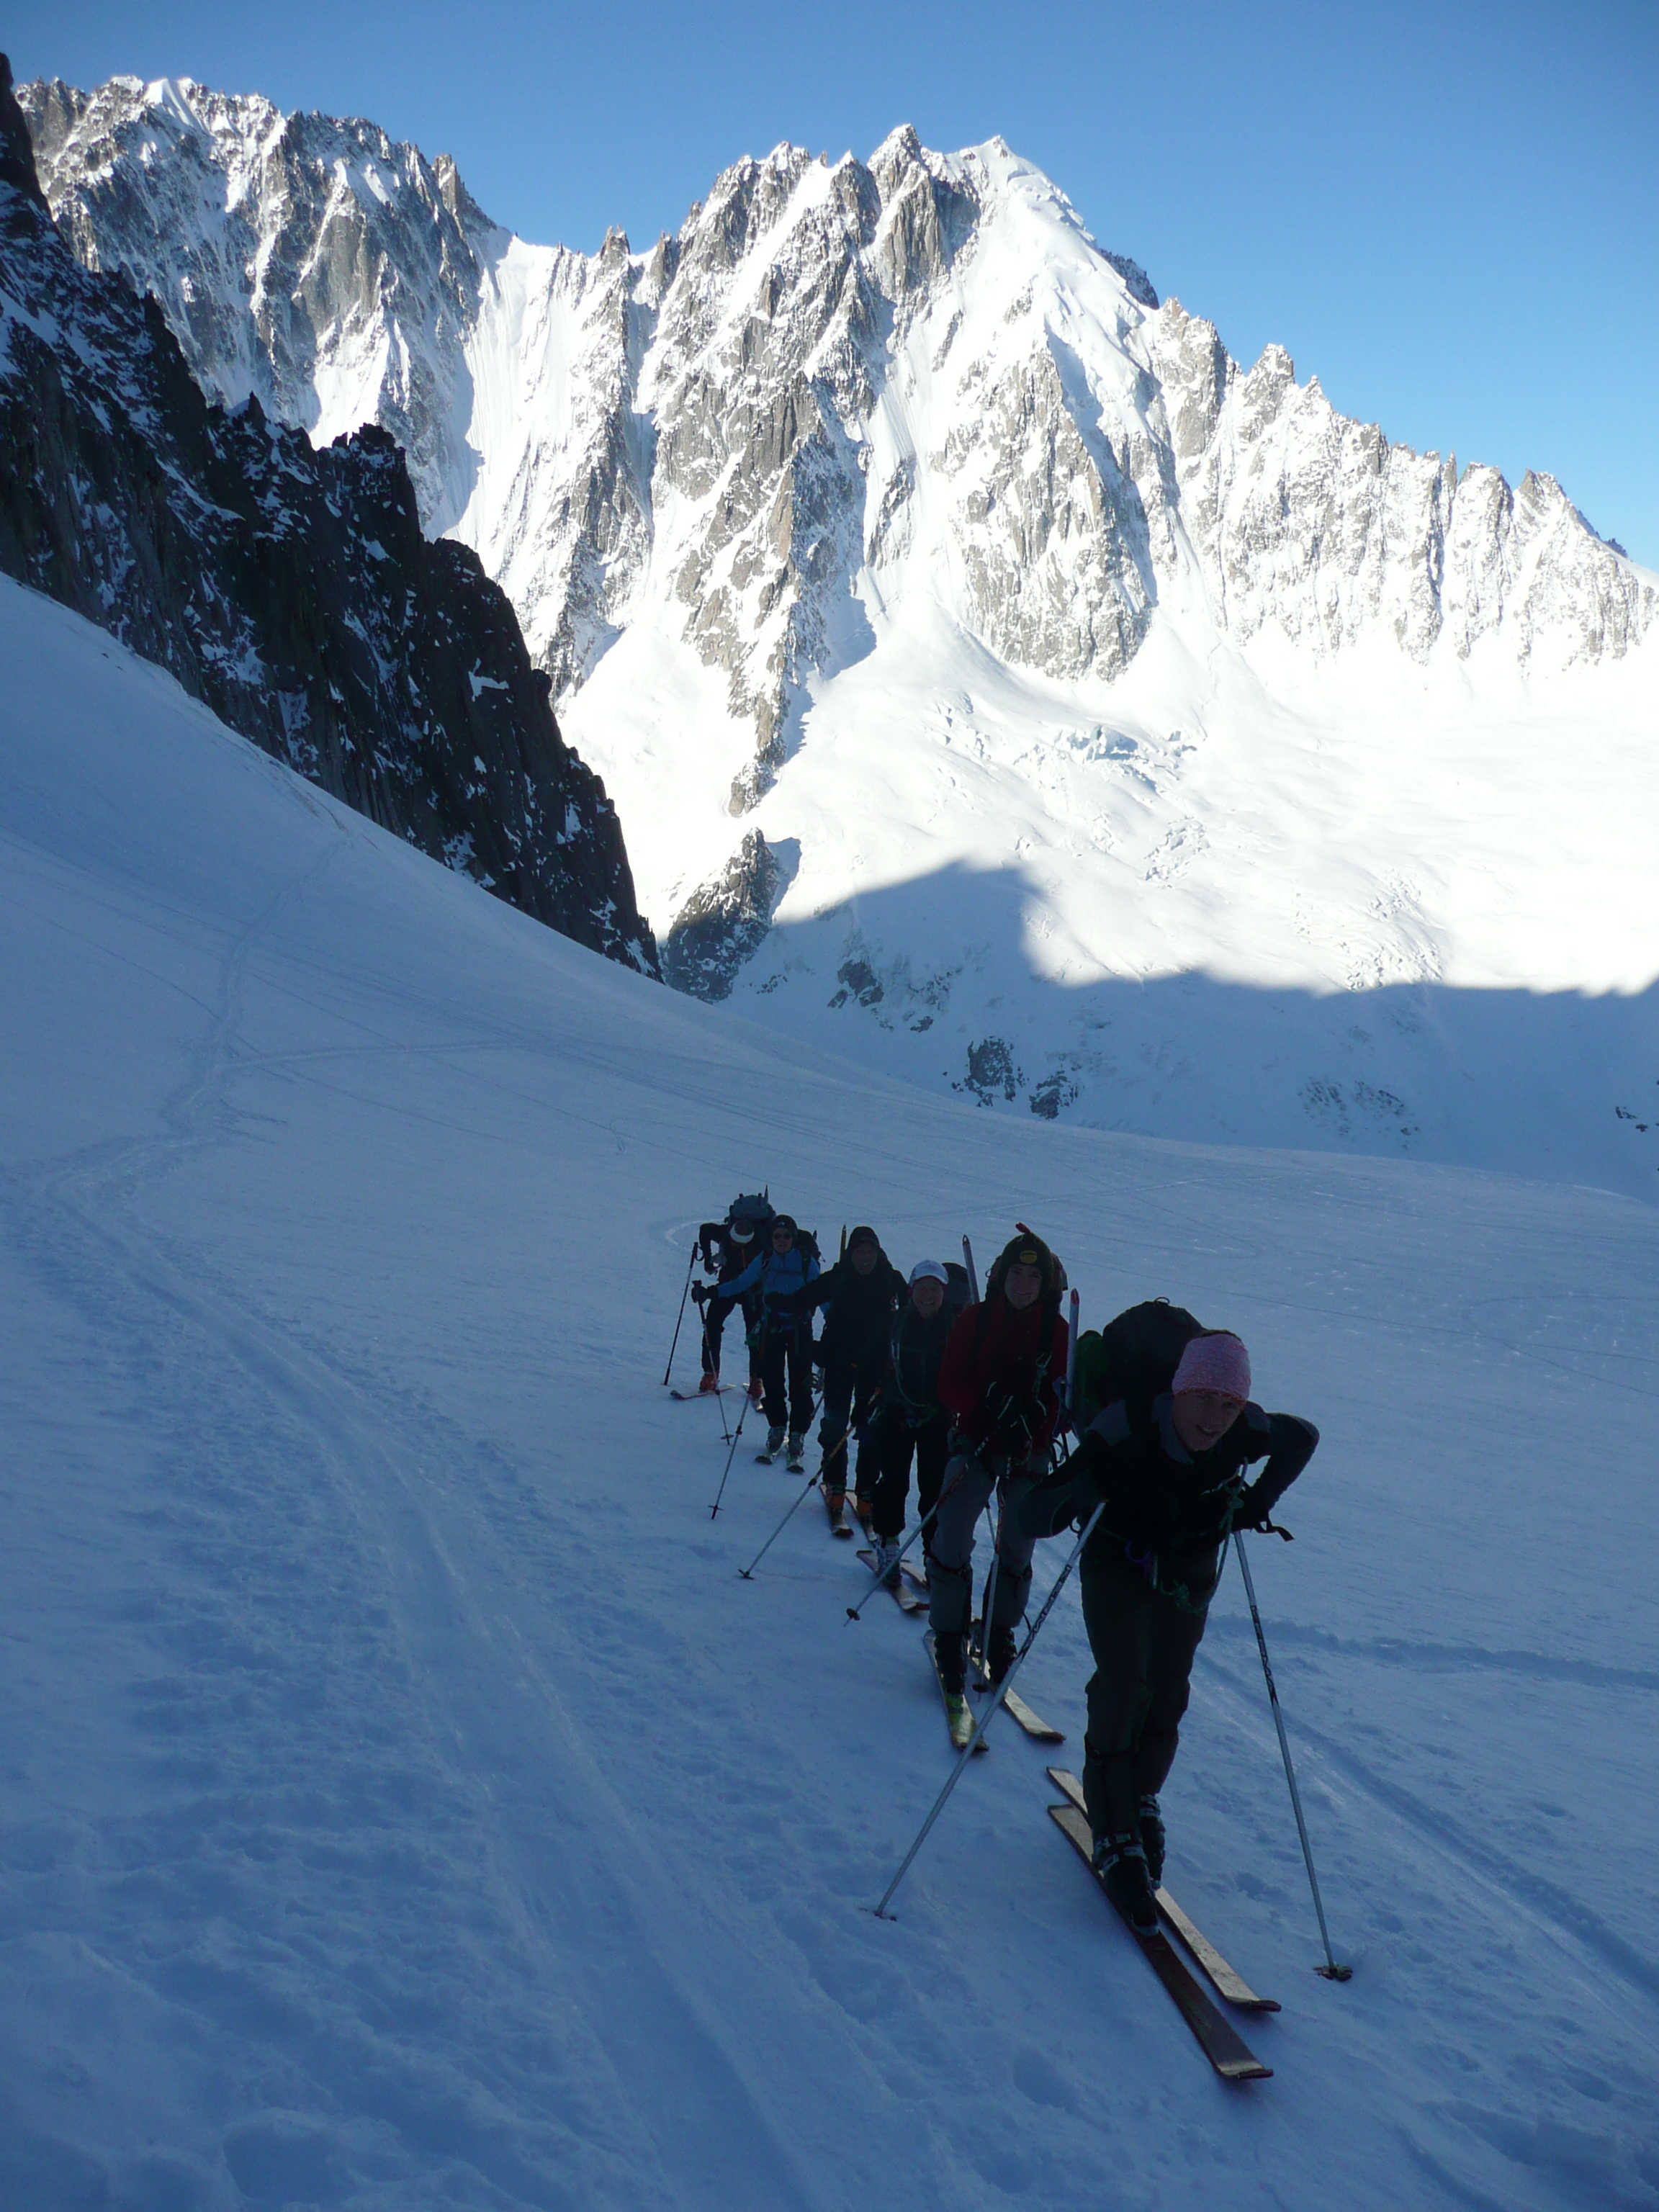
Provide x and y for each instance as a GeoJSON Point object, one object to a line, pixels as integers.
{"type": "Point", "coordinates": [1134, 1357]}
{"type": "Point", "coordinates": [756, 1208]}
{"type": "Point", "coordinates": [806, 1243]}
{"type": "Point", "coordinates": [958, 1292]}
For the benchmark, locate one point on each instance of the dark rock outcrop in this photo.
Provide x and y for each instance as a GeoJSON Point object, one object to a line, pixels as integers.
{"type": "Point", "coordinates": [290, 590]}
{"type": "Point", "coordinates": [721, 924]}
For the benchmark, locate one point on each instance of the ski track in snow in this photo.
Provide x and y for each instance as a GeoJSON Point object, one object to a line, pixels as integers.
{"type": "Point", "coordinates": [405, 1801]}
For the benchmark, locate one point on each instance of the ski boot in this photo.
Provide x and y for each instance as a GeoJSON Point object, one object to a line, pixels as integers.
{"type": "Point", "coordinates": [769, 1451]}
{"type": "Point", "coordinates": [756, 1389]}
{"type": "Point", "coordinates": [1122, 1865]}
{"type": "Point", "coordinates": [1000, 1653]}
{"type": "Point", "coordinates": [887, 1566]}
{"type": "Point", "coordinates": [795, 1463]}
{"type": "Point", "coordinates": [951, 1658]}
{"type": "Point", "coordinates": [959, 1718]}
{"type": "Point", "coordinates": [834, 1504]}
{"type": "Point", "coordinates": [865, 1507]}
{"type": "Point", "coordinates": [709, 1385]}
{"type": "Point", "coordinates": [1153, 1839]}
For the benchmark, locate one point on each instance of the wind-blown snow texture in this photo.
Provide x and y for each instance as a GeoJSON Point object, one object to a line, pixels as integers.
{"type": "Point", "coordinates": [404, 1802]}
{"type": "Point", "coordinates": [1134, 739]}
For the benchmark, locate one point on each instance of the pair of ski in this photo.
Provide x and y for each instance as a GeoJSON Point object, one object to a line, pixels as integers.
{"type": "Point", "coordinates": [1219, 2041]}
{"type": "Point", "coordinates": [960, 1718]}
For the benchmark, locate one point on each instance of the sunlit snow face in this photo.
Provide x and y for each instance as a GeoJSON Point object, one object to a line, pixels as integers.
{"type": "Point", "coordinates": [1021, 1285]}
{"type": "Point", "coordinates": [1202, 1418]}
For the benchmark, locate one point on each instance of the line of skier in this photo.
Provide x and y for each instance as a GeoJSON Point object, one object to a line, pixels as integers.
{"type": "Point", "coordinates": [1150, 1419]}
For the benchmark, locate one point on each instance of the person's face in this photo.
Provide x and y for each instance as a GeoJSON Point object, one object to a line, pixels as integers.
{"type": "Point", "coordinates": [1202, 1418]}
{"type": "Point", "coordinates": [927, 1296]}
{"type": "Point", "coordinates": [783, 1239]}
{"type": "Point", "coordinates": [1021, 1286]}
{"type": "Point", "coordinates": [863, 1257]}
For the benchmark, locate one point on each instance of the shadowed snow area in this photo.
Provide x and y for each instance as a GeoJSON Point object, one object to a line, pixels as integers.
{"type": "Point", "coordinates": [406, 1804]}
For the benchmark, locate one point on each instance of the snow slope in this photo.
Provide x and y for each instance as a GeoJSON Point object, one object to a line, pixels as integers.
{"type": "Point", "coordinates": [1136, 740]}
{"type": "Point", "coordinates": [406, 1804]}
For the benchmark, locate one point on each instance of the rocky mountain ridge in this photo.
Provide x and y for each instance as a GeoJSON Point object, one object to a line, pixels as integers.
{"type": "Point", "coordinates": [288, 587]}
{"type": "Point", "coordinates": [1057, 666]}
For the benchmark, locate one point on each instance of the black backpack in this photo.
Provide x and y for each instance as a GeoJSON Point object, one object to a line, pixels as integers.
{"type": "Point", "coordinates": [1134, 1358]}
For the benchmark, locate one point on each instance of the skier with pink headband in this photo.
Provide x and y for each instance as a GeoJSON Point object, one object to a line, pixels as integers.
{"type": "Point", "coordinates": [1170, 1470]}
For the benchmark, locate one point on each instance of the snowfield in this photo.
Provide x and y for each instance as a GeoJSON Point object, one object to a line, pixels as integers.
{"type": "Point", "coordinates": [406, 1804]}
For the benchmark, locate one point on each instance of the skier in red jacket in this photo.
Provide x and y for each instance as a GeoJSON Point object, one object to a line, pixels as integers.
{"type": "Point", "coordinates": [1000, 1382]}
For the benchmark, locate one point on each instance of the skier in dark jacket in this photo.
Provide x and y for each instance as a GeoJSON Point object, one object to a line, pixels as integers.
{"type": "Point", "coordinates": [786, 1335]}
{"type": "Point", "coordinates": [726, 1248]}
{"type": "Point", "coordinates": [1172, 1483]}
{"type": "Point", "coordinates": [909, 1420]}
{"type": "Point", "coordinates": [999, 1382]}
{"type": "Point", "coordinates": [859, 1295]}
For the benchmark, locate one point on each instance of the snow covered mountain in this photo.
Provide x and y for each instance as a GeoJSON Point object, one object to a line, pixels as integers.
{"type": "Point", "coordinates": [1112, 732]}
{"type": "Point", "coordinates": [290, 588]}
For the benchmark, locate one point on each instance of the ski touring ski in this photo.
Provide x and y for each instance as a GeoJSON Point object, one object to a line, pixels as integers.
{"type": "Point", "coordinates": [904, 1598]}
{"type": "Point", "coordinates": [1227, 1981]}
{"type": "Point", "coordinates": [959, 1714]}
{"type": "Point", "coordinates": [1035, 1726]}
{"type": "Point", "coordinates": [1219, 2041]}
{"type": "Point", "coordinates": [691, 1397]}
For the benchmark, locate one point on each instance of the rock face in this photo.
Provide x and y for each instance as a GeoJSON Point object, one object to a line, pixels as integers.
{"type": "Point", "coordinates": [289, 588]}
{"type": "Point", "coordinates": [723, 922]}
{"type": "Point", "coordinates": [779, 397]}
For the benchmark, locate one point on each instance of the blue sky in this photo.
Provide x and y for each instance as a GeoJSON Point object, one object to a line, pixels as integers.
{"type": "Point", "coordinates": [1449, 214]}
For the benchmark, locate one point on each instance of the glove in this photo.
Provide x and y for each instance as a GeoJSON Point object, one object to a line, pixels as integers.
{"type": "Point", "coordinates": [700, 1294]}
{"type": "Point", "coordinates": [1250, 1513]}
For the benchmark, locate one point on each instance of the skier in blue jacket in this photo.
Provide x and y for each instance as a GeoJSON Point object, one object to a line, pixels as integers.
{"type": "Point", "coordinates": [786, 1337]}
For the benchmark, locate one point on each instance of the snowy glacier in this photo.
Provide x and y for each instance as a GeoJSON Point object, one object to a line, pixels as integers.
{"type": "Point", "coordinates": [405, 1802]}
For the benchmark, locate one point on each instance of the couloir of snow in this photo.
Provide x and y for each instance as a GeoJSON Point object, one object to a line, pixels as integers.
{"type": "Point", "coordinates": [406, 1803]}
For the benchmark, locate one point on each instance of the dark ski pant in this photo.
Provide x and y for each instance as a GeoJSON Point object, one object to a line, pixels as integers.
{"type": "Point", "coordinates": [896, 1441]}
{"type": "Point", "coordinates": [845, 1382]}
{"type": "Point", "coordinates": [786, 1367]}
{"type": "Point", "coordinates": [967, 1491]}
{"type": "Point", "coordinates": [1143, 1646]}
{"type": "Point", "coordinates": [714, 1328]}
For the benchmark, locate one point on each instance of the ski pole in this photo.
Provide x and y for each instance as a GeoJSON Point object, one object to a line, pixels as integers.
{"type": "Point", "coordinates": [968, 1262]}
{"type": "Point", "coordinates": [680, 1315]}
{"type": "Point", "coordinates": [853, 1612]}
{"type": "Point", "coordinates": [1330, 1970]}
{"type": "Point", "coordinates": [748, 1572]}
{"type": "Point", "coordinates": [993, 1514]}
{"type": "Point", "coordinates": [731, 1454]}
{"type": "Point", "coordinates": [1071, 1362]}
{"type": "Point", "coordinates": [987, 1716]}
